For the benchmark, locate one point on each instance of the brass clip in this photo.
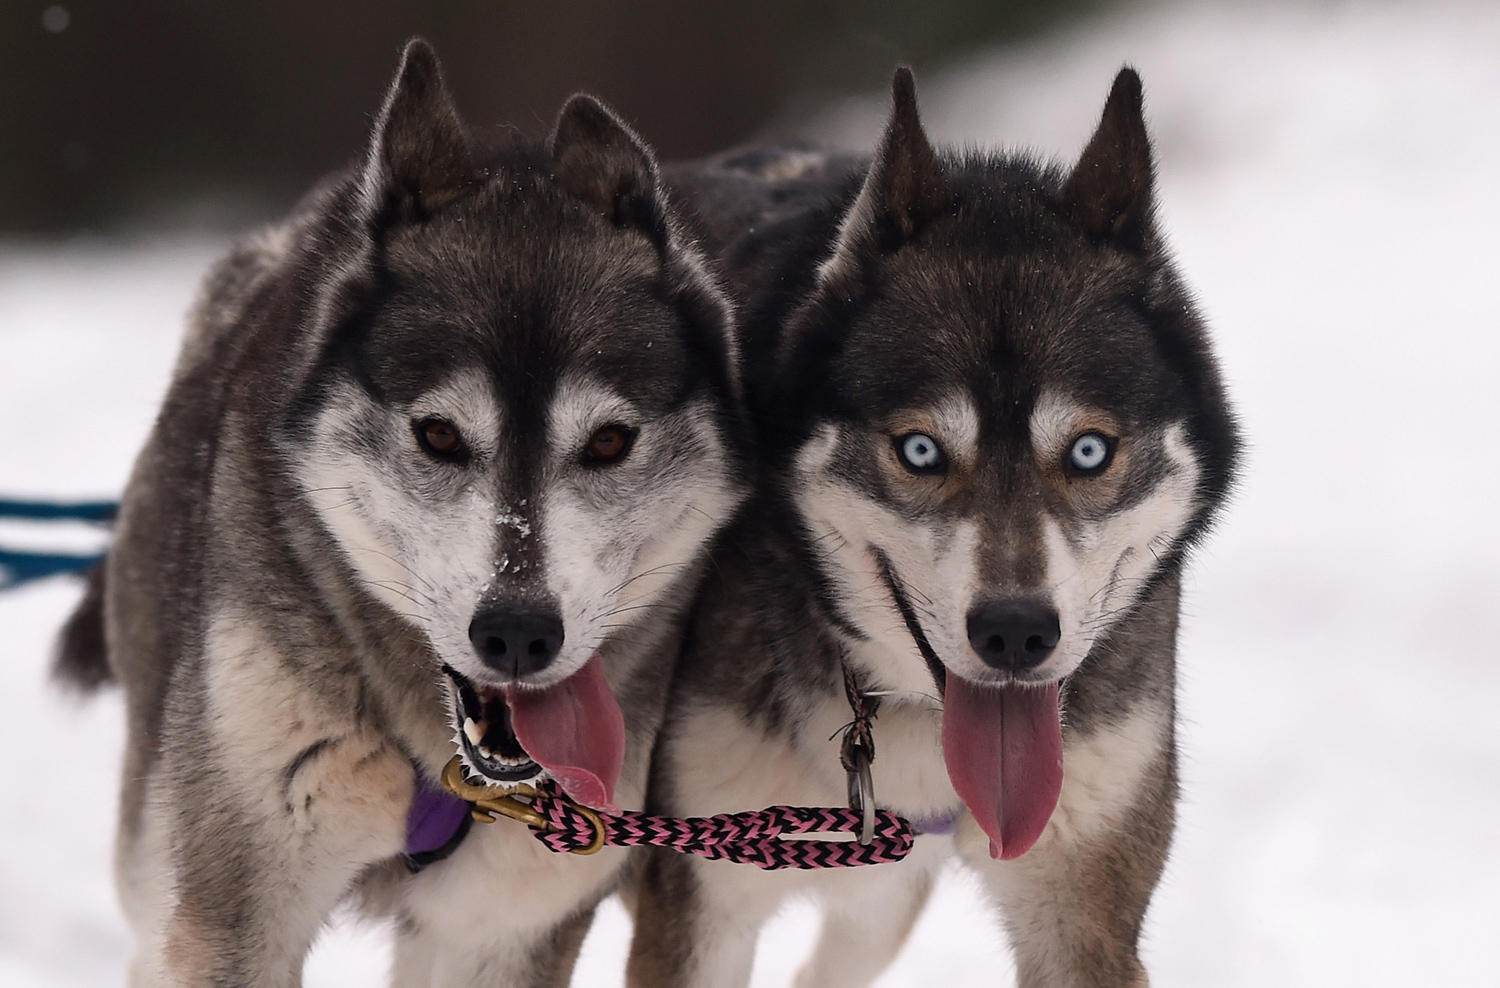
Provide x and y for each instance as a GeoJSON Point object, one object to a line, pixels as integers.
{"type": "Point", "coordinates": [491, 800]}
{"type": "Point", "coordinates": [594, 821]}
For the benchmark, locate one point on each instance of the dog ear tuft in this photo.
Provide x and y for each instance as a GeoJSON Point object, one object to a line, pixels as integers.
{"type": "Point", "coordinates": [903, 189]}
{"type": "Point", "coordinates": [420, 159]}
{"type": "Point", "coordinates": [599, 159]}
{"type": "Point", "coordinates": [1109, 192]}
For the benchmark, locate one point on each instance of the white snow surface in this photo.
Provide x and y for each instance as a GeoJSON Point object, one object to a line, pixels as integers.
{"type": "Point", "coordinates": [1330, 179]}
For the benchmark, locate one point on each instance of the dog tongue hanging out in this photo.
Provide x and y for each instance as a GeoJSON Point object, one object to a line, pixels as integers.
{"type": "Point", "coordinates": [573, 730]}
{"type": "Point", "coordinates": [576, 732]}
{"type": "Point", "coordinates": [1004, 752]}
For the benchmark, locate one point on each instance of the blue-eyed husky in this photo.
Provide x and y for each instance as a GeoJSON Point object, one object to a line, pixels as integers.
{"type": "Point", "coordinates": [993, 428]}
{"type": "Point", "coordinates": [437, 467]}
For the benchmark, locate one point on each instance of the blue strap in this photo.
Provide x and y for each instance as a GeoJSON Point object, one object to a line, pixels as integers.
{"type": "Point", "coordinates": [100, 511]}
{"type": "Point", "coordinates": [19, 567]}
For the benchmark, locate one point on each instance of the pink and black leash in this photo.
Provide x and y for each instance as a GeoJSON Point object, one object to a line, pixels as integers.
{"type": "Point", "coordinates": [773, 838]}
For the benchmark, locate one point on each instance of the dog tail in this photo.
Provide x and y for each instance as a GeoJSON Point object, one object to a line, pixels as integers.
{"type": "Point", "coordinates": [81, 662]}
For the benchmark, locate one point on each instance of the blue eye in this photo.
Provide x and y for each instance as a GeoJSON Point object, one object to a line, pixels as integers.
{"type": "Point", "coordinates": [1090, 453]}
{"type": "Point", "coordinates": [920, 453]}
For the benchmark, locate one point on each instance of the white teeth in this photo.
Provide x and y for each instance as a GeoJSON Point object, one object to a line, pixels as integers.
{"type": "Point", "coordinates": [474, 732]}
{"type": "Point", "coordinates": [486, 753]}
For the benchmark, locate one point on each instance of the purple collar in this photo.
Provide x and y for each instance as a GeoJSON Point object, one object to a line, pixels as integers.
{"type": "Point", "coordinates": [436, 824]}
{"type": "Point", "coordinates": [935, 824]}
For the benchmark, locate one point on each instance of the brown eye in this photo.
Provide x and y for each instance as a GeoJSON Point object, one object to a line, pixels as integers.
{"type": "Point", "coordinates": [440, 438]}
{"type": "Point", "coordinates": [608, 444]}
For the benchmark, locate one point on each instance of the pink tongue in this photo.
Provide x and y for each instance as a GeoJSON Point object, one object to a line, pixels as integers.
{"type": "Point", "coordinates": [575, 731]}
{"type": "Point", "coordinates": [1004, 753]}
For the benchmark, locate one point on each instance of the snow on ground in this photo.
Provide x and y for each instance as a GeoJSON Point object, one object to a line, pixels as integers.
{"type": "Point", "coordinates": [1328, 176]}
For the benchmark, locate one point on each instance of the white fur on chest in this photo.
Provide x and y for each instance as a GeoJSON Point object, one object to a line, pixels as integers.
{"type": "Point", "coordinates": [503, 887]}
{"type": "Point", "coordinates": [724, 765]}
{"type": "Point", "coordinates": [1103, 771]}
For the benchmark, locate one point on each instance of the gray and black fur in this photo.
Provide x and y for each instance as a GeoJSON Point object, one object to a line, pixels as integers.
{"type": "Point", "coordinates": [1005, 309]}
{"type": "Point", "coordinates": [296, 562]}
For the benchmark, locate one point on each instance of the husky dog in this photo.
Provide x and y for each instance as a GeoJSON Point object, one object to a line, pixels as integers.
{"type": "Point", "coordinates": [436, 470]}
{"type": "Point", "coordinates": [993, 429]}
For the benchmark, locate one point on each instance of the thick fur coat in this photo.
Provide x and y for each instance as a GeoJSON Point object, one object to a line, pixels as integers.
{"type": "Point", "coordinates": [992, 428]}
{"type": "Point", "coordinates": [458, 387]}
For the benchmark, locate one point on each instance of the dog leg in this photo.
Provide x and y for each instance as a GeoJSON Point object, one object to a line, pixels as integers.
{"type": "Point", "coordinates": [267, 800]}
{"type": "Point", "coordinates": [862, 935]}
{"type": "Point", "coordinates": [426, 960]}
{"type": "Point", "coordinates": [251, 895]}
{"type": "Point", "coordinates": [1073, 905]}
{"type": "Point", "coordinates": [143, 874]}
{"type": "Point", "coordinates": [553, 958]}
{"type": "Point", "coordinates": [697, 921]}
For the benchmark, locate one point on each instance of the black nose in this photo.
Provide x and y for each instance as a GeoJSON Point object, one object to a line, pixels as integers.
{"type": "Point", "coordinates": [1014, 634]}
{"type": "Point", "coordinates": [516, 642]}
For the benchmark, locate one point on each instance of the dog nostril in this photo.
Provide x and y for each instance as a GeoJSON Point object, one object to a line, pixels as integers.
{"type": "Point", "coordinates": [538, 646]}
{"type": "Point", "coordinates": [1034, 643]}
{"type": "Point", "coordinates": [995, 644]}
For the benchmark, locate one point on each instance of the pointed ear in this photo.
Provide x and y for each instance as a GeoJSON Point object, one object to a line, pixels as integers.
{"type": "Point", "coordinates": [903, 189]}
{"type": "Point", "coordinates": [420, 159]}
{"type": "Point", "coordinates": [905, 181]}
{"type": "Point", "coordinates": [599, 159]}
{"type": "Point", "coordinates": [1109, 193]}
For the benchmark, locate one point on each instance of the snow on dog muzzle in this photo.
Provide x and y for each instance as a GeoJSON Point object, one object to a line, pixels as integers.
{"type": "Point", "coordinates": [572, 731]}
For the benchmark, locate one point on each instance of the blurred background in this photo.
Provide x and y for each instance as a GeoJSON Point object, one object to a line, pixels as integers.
{"type": "Point", "coordinates": [1329, 181]}
{"type": "Point", "coordinates": [221, 113]}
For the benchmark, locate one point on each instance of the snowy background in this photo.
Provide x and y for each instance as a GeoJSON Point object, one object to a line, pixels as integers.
{"type": "Point", "coordinates": [1330, 178]}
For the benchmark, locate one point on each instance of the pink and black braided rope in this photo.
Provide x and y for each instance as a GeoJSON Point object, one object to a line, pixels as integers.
{"type": "Point", "coordinates": [746, 838]}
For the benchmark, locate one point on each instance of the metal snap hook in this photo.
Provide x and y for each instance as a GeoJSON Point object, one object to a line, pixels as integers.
{"type": "Point", "coordinates": [862, 792]}
{"type": "Point", "coordinates": [491, 800]}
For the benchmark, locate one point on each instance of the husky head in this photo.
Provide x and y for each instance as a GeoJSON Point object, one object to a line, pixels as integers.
{"type": "Point", "coordinates": [1000, 421]}
{"type": "Point", "coordinates": [518, 427]}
